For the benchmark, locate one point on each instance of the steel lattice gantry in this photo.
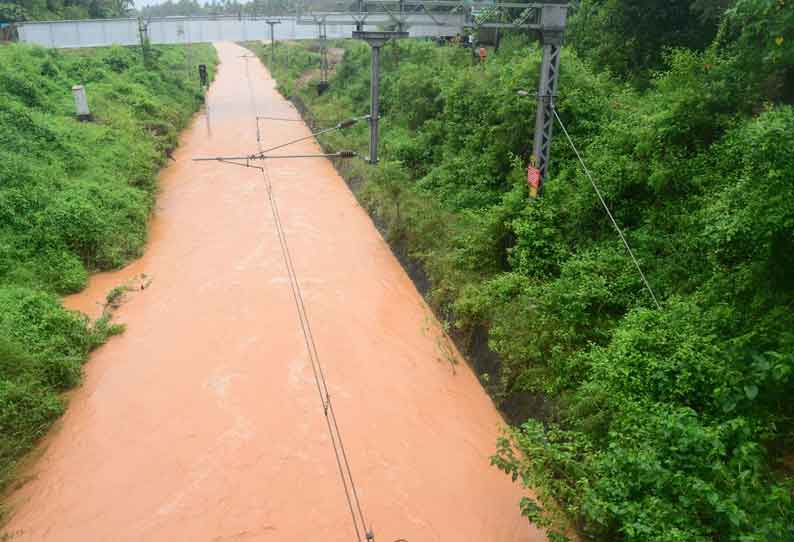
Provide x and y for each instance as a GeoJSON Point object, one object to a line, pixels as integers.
{"type": "Point", "coordinates": [451, 17]}
{"type": "Point", "coordinates": [322, 32]}
{"type": "Point", "coordinates": [551, 33]}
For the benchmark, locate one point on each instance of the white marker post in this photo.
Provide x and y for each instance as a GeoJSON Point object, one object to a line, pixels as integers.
{"type": "Point", "coordinates": [81, 103]}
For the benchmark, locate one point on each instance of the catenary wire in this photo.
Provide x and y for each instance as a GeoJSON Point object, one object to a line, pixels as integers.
{"type": "Point", "coordinates": [343, 463]}
{"type": "Point", "coordinates": [606, 208]}
{"type": "Point", "coordinates": [345, 473]}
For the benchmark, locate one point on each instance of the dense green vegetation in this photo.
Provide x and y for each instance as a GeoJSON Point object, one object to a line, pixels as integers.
{"type": "Point", "coordinates": [74, 198]}
{"type": "Point", "coordinates": [33, 10]}
{"type": "Point", "coordinates": [632, 38]}
{"type": "Point", "coordinates": [228, 7]}
{"type": "Point", "coordinates": [293, 60]}
{"type": "Point", "coordinates": [666, 425]}
{"type": "Point", "coordinates": [30, 10]}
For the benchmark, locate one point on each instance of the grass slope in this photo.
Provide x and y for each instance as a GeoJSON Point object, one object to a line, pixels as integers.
{"type": "Point", "coordinates": [74, 198]}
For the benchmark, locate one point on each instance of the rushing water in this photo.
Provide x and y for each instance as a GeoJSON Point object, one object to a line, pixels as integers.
{"type": "Point", "coordinates": [202, 421]}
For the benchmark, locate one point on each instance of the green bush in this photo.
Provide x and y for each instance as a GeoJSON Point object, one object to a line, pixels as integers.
{"type": "Point", "coordinates": [286, 63]}
{"type": "Point", "coordinates": [74, 198]}
{"type": "Point", "coordinates": [630, 37]}
{"type": "Point", "coordinates": [77, 195]}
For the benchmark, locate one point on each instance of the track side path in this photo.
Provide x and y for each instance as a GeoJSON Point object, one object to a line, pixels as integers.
{"type": "Point", "coordinates": [202, 422]}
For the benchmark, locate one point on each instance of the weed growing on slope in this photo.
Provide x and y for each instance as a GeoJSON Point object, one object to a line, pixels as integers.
{"type": "Point", "coordinates": [74, 198]}
{"type": "Point", "coordinates": [288, 64]}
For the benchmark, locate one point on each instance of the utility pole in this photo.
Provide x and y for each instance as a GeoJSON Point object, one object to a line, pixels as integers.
{"type": "Point", "coordinates": [143, 35]}
{"type": "Point", "coordinates": [552, 26]}
{"type": "Point", "coordinates": [400, 25]}
{"type": "Point", "coordinates": [547, 17]}
{"type": "Point", "coordinates": [375, 41]}
{"type": "Point", "coordinates": [359, 22]}
{"type": "Point", "coordinates": [322, 86]}
{"type": "Point", "coordinates": [272, 43]}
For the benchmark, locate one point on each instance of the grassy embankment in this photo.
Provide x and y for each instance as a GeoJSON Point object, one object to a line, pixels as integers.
{"type": "Point", "coordinates": [74, 198]}
{"type": "Point", "coordinates": [664, 425]}
{"type": "Point", "coordinates": [294, 61]}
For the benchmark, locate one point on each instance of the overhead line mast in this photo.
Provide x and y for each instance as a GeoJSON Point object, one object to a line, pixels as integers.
{"type": "Point", "coordinates": [546, 18]}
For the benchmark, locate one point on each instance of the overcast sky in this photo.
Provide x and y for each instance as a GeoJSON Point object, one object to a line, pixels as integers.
{"type": "Point", "coordinates": [141, 3]}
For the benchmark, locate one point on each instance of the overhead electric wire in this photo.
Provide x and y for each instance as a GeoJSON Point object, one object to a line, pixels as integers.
{"type": "Point", "coordinates": [252, 98]}
{"type": "Point", "coordinates": [606, 208]}
{"type": "Point", "coordinates": [251, 94]}
{"type": "Point", "coordinates": [229, 159]}
{"type": "Point", "coordinates": [311, 120]}
{"type": "Point", "coordinates": [258, 134]}
{"type": "Point", "coordinates": [285, 119]}
{"type": "Point", "coordinates": [339, 126]}
{"type": "Point", "coordinates": [345, 473]}
{"type": "Point", "coordinates": [351, 493]}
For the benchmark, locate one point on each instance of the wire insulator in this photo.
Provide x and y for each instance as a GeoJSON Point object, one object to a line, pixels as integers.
{"type": "Point", "coordinates": [347, 154]}
{"type": "Point", "coordinates": [347, 123]}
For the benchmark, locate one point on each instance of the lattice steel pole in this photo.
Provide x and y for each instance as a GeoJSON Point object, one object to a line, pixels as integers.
{"type": "Point", "coordinates": [551, 32]}
{"type": "Point", "coordinates": [359, 24]}
{"type": "Point", "coordinates": [323, 84]}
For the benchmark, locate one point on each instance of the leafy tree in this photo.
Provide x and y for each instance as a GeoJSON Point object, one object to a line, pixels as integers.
{"type": "Point", "coordinates": [69, 9]}
{"type": "Point", "coordinates": [759, 36]}
{"type": "Point", "coordinates": [629, 37]}
{"type": "Point", "coordinates": [11, 12]}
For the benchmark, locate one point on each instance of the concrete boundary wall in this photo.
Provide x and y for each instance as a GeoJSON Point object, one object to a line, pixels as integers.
{"type": "Point", "coordinates": [175, 30]}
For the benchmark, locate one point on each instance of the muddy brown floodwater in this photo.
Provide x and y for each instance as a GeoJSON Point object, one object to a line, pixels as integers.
{"type": "Point", "coordinates": [202, 421]}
